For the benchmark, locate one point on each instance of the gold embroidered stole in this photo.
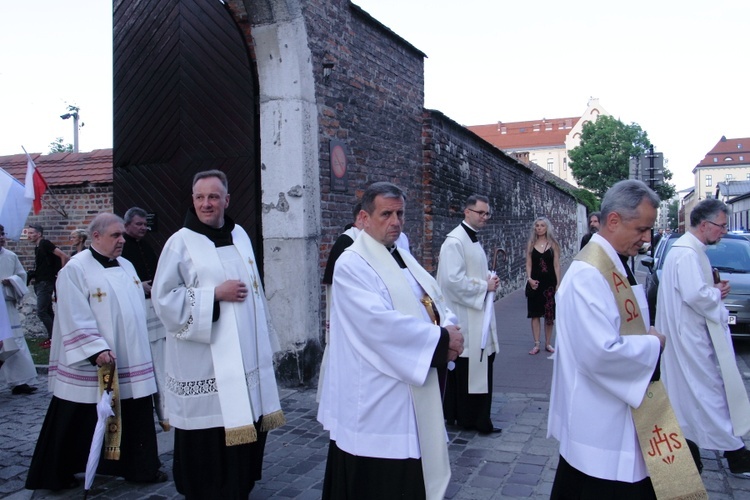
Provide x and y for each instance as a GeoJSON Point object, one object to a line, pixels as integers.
{"type": "Point", "coordinates": [108, 381]}
{"type": "Point", "coordinates": [665, 451]}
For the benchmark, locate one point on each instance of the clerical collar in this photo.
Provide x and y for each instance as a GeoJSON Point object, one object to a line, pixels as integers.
{"type": "Point", "coordinates": [631, 277]}
{"type": "Point", "coordinates": [221, 237]}
{"type": "Point", "coordinates": [400, 260]}
{"type": "Point", "coordinates": [470, 231]}
{"type": "Point", "coordinates": [103, 260]}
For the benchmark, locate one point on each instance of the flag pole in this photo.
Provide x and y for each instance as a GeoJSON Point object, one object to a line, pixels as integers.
{"type": "Point", "coordinates": [59, 209]}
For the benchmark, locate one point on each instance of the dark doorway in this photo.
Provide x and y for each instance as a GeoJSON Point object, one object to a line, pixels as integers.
{"type": "Point", "coordinates": [185, 100]}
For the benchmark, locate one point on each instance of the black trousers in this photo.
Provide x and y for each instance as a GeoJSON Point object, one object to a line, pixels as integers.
{"type": "Point", "coordinates": [572, 484]}
{"type": "Point", "coordinates": [349, 477]}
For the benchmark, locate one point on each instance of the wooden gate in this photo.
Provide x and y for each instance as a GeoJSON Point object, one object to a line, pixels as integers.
{"type": "Point", "coordinates": [185, 100]}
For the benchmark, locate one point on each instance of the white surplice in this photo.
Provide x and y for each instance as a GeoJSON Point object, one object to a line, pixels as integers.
{"type": "Point", "coordinates": [375, 354]}
{"type": "Point", "coordinates": [463, 274]}
{"type": "Point", "coordinates": [18, 367]}
{"type": "Point", "coordinates": [99, 308]}
{"type": "Point", "coordinates": [190, 267]}
{"type": "Point", "coordinates": [689, 368]}
{"type": "Point", "coordinates": [598, 375]}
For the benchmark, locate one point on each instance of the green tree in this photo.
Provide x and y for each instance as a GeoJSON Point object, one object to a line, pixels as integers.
{"type": "Point", "coordinates": [57, 146]}
{"type": "Point", "coordinates": [673, 215]}
{"type": "Point", "coordinates": [587, 198]}
{"type": "Point", "coordinates": [603, 156]}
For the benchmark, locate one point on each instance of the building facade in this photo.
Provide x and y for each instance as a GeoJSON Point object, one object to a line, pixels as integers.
{"type": "Point", "coordinates": [728, 160]}
{"type": "Point", "coordinates": [546, 142]}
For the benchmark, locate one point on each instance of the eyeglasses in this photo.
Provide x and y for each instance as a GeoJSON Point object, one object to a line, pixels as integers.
{"type": "Point", "coordinates": [723, 226]}
{"type": "Point", "coordinates": [481, 213]}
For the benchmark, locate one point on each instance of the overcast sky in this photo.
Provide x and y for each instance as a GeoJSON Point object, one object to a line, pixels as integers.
{"type": "Point", "coordinates": [676, 68]}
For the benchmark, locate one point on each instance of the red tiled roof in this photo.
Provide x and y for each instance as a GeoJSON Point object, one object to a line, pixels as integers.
{"type": "Point", "coordinates": [526, 135]}
{"type": "Point", "coordinates": [727, 152]}
{"type": "Point", "coordinates": [64, 169]}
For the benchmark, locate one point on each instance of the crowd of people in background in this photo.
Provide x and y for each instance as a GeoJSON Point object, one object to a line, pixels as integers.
{"type": "Point", "coordinates": [186, 332]}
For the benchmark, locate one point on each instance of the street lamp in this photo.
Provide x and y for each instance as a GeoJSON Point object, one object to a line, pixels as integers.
{"type": "Point", "coordinates": [73, 115]}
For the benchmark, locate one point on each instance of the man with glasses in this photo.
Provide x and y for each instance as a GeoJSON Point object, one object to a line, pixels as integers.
{"type": "Point", "coordinates": [465, 279]}
{"type": "Point", "coordinates": [698, 367]}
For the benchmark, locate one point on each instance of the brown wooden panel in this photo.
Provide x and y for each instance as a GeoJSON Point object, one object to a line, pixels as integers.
{"type": "Point", "coordinates": [185, 98]}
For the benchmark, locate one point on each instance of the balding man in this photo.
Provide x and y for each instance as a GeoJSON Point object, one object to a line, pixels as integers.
{"type": "Point", "coordinates": [101, 319]}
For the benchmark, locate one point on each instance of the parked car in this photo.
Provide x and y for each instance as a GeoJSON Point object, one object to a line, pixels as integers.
{"type": "Point", "coordinates": [731, 256]}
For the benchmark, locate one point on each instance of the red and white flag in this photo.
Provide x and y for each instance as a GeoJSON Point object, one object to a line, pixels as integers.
{"type": "Point", "coordinates": [35, 184]}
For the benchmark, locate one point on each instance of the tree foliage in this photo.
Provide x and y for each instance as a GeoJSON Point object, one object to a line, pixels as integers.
{"type": "Point", "coordinates": [603, 156]}
{"type": "Point", "coordinates": [57, 146]}
{"type": "Point", "coordinates": [673, 215]}
{"type": "Point", "coordinates": [587, 198]}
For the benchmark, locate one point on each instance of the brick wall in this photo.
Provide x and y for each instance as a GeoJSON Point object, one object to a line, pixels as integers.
{"type": "Point", "coordinates": [457, 164]}
{"type": "Point", "coordinates": [372, 102]}
{"type": "Point", "coordinates": [81, 204]}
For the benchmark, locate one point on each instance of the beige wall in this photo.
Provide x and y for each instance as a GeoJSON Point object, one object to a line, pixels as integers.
{"type": "Point", "coordinates": [717, 174]}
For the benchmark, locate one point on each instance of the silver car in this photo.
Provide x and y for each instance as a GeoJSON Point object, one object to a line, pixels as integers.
{"type": "Point", "coordinates": [731, 256]}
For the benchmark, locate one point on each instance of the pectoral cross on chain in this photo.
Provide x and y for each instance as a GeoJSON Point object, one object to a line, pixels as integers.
{"type": "Point", "coordinates": [99, 294]}
{"type": "Point", "coordinates": [255, 280]}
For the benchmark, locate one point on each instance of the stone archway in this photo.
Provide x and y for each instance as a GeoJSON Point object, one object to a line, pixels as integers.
{"type": "Point", "coordinates": [290, 183]}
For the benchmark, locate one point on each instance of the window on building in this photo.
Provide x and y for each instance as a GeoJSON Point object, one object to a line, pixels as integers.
{"type": "Point", "coordinates": [716, 160]}
{"type": "Point", "coordinates": [728, 158]}
{"type": "Point", "coordinates": [565, 166]}
{"type": "Point", "coordinates": [536, 127]}
{"type": "Point", "coordinates": [709, 180]}
{"type": "Point", "coordinates": [548, 126]}
{"type": "Point", "coordinates": [550, 164]}
{"type": "Point", "coordinates": [747, 177]}
{"type": "Point", "coordinates": [728, 177]}
{"type": "Point", "coordinates": [503, 130]}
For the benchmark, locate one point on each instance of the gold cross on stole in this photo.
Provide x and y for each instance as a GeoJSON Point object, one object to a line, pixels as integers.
{"type": "Point", "coordinates": [99, 294]}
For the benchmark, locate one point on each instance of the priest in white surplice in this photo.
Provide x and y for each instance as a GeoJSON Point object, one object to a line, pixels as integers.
{"type": "Point", "coordinates": [222, 397]}
{"type": "Point", "coordinates": [699, 356]}
{"type": "Point", "coordinates": [101, 318]}
{"type": "Point", "coordinates": [598, 373]}
{"type": "Point", "coordinates": [464, 276]}
{"type": "Point", "coordinates": [18, 369]}
{"type": "Point", "coordinates": [381, 397]}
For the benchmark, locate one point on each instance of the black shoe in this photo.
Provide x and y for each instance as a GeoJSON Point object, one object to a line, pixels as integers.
{"type": "Point", "coordinates": [739, 462]}
{"type": "Point", "coordinates": [494, 430]}
{"type": "Point", "coordinates": [159, 477]}
{"type": "Point", "coordinates": [23, 389]}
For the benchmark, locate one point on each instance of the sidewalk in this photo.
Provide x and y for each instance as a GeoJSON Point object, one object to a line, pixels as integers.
{"type": "Point", "coordinates": [518, 463]}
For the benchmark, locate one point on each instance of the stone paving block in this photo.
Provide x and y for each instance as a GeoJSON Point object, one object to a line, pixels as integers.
{"type": "Point", "coordinates": [488, 482]}
{"type": "Point", "coordinates": [517, 437]}
{"type": "Point", "coordinates": [494, 470]}
{"type": "Point", "coordinates": [468, 461]}
{"type": "Point", "coordinates": [528, 458]}
{"type": "Point", "coordinates": [302, 467]}
{"type": "Point", "coordinates": [14, 470]}
{"type": "Point", "coordinates": [511, 490]}
{"type": "Point", "coordinates": [474, 452]}
{"type": "Point", "coordinates": [529, 479]}
{"type": "Point", "coordinates": [528, 469]}
{"type": "Point", "coordinates": [501, 456]}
